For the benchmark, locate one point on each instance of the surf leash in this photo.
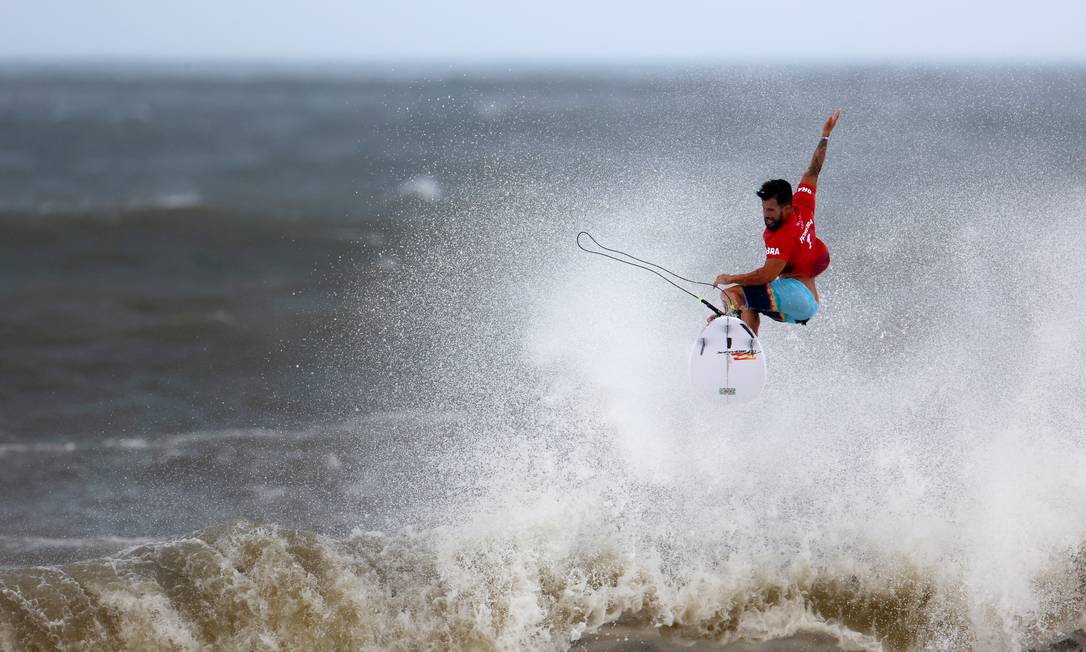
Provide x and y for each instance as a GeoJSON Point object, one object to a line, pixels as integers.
{"type": "Point", "coordinates": [647, 266]}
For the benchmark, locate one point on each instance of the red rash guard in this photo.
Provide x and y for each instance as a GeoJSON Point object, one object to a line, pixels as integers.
{"type": "Point", "coordinates": [795, 241]}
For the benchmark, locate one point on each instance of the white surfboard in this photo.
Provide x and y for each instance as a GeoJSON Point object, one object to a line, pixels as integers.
{"type": "Point", "coordinates": [727, 364]}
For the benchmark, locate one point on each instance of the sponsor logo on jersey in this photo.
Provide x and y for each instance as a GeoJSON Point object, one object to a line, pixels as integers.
{"type": "Point", "coordinates": [806, 235]}
{"type": "Point", "coordinates": [772, 251]}
{"type": "Point", "coordinates": [803, 189]}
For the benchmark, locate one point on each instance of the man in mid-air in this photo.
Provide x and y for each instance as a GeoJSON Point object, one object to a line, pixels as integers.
{"type": "Point", "coordinates": [783, 289]}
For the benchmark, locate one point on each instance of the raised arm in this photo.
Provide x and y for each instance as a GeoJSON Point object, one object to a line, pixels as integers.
{"type": "Point", "coordinates": [810, 177]}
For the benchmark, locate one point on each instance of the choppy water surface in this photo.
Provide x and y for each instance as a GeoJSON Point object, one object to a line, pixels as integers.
{"type": "Point", "coordinates": [311, 360]}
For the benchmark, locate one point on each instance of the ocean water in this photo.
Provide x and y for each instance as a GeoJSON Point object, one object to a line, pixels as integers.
{"type": "Point", "coordinates": [309, 359]}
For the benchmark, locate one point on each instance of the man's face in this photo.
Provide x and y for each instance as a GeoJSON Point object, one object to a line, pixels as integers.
{"type": "Point", "coordinates": [774, 214]}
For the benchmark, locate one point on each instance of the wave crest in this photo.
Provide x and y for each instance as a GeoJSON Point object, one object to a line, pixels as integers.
{"type": "Point", "coordinates": [249, 586]}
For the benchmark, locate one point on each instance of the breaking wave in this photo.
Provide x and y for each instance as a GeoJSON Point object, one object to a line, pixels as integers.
{"type": "Point", "coordinates": [251, 586]}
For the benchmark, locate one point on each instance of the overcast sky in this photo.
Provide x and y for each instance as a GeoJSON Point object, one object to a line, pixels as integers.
{"type": "Point", "coordinates": [543, 30]}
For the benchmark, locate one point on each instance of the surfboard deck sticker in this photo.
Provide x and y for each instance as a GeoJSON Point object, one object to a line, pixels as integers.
{"type": "Point", "coordinates": [727, 364]}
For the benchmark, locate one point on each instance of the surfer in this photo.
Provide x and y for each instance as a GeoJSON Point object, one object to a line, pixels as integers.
{"type": "Point", "coordinates": [783, 289]}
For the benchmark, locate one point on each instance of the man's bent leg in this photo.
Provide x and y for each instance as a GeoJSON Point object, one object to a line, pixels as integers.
{"type": "Point", "coordinates": [734, 299]}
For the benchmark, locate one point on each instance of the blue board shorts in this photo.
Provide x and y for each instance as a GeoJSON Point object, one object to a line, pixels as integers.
{"type": "Point", "coordinates": [785, 300]}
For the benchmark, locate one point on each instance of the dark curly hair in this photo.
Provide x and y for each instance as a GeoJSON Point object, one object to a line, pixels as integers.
{"type": "Point", "coordinates": [778, 188]}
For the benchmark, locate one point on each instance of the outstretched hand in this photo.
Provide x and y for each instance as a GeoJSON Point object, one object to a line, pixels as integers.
{"type": "Point", "coordinates": [831, 122]}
